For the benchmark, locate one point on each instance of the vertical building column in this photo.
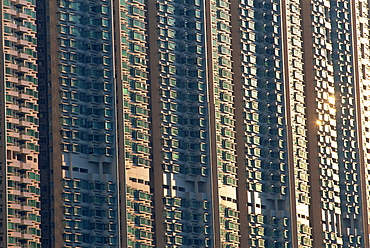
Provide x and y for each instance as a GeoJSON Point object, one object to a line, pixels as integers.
{"type": "Point", "coordinates": [157, 174]}
{"type": "Point", "coordinates": [239, 91]}
{"type": "Point", "coordinates": [55, 151]}
{"type": "Point", "coordinates": [3, 135]}
{"type": "Point", "coordinates": [311, 125]}
{"type": "Point", "coordinates": [288, 122]}
{"type": "Point", "coordinates": [44, 114]}
{"type": "Point", "coordinates": [359, 75]}
{"type": "Point", "coordinates": [120, 126]}
{"type": "Point", "coordinates": [296, 121]}
{"type": "Point", "coordinates": [363, 51]}
{"type": "Point", "coordinates": [212, 124]}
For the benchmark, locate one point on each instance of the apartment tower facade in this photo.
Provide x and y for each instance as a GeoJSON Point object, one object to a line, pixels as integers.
{"type": "Point", "coordinates": [79, 204]}
{"type": "Point", "coordinates": [185, 123]}
{"type": "Point", "coordinates": [19, 142]}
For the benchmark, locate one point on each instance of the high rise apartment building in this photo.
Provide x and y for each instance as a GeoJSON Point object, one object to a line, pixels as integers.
{"type": "Point", "coordinates": [184, 123]}
{"type": "Point", "coordinates": [19, 142]}
{"type": "Point", "coordinates": [77, 96]}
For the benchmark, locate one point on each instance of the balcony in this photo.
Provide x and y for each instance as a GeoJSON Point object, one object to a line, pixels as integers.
{"type": "Point", "coordinates": [26, 180]}
{"type": "Point", "coordinates": [21, 29]}
{"type": "Point", "coordinates": [13, 134]}
{"type": "Point", "coordinates": [24, 96]}
{"type": "Point", "coordinates": [11, 25]}
{"type": "Point", "coordinates": [27, 208]}
{"type": "Point", "coordinates": [21, 16]}
{"type": "Point", "coordinates": [24, 83]}
{"type": "Point", "coordinates": [12, 119]}
{"type": "Point", "coordinates": [25, 110]}
{"type": "Point", "coordinates": [25, 150]}
{"type": "Point", "coordinates": [16, 233]}
{"type": "Point", "coordinates": [26, 194]}
{"type": "Point", "coordinates": [26, 222]}
{"type": "Point", "coordinates": [25, 137]}
{"type": "Point", "coordinates": [15, 220]}
{"type": "Point", "coordinates": [25, 166]}
{"type": "Point", "coordinates": [26, 236]}
{"type": "Point", "coordinates": [20, 3]}
{"type": "Point", "coordinates": [13, 148]}
{"type": "Point", "coordinates": [25, 123]}
{"type": "Point", "coordinates": [15, 206]}
{"type": "Point", "coordinates": [11, 11]}
{"type": "Point", "coordinates": [15, 163]}
{"type": "Point", "coordinates": [12, 79]}
{"type": "Point", "coordinates": [14, 192]}
{"type": "Point", "coordinates": [23, 69]}
{"type": "Point", "coordinates": [15, 178]}
{"type": "Point", "coordinates": [23, 56]}
{"type": "Point", "coordinates": [12, 106]}
{"type": "Point", "coordinates": [12, 66]}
